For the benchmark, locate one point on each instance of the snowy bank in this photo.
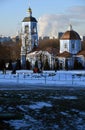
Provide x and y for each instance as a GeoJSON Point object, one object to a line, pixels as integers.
{"type": "Point", "coordinates": [25, 79]}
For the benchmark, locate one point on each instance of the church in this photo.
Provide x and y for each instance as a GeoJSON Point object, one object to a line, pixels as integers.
{"type": "Point", "coordinates": [29, 36]}
{"type": "Point", "coordinates": [70, 54]}
{"type": "Point", "coordinates": [30, 43]}
{"type": "Point", "coordinates": [71, 50]}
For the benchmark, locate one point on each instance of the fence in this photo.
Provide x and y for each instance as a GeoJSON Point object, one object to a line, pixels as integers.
{"type": "Point", "coordinates": [51, 78]}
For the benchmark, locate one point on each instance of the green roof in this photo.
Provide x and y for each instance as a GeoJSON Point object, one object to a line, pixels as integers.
{"type": "Point", "coordinates": [29, 19]}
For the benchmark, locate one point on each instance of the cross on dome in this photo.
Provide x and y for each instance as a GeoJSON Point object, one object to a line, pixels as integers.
{"type": "Point", "coordinates": [70, 27]}
{"type": "Point", "coordinates": [29, 2]}
{"type": "Point", "coordinates": [29, 10]}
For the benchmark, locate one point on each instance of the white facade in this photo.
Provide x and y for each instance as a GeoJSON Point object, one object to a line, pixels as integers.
{"type": "Point", "coordinates": [63, 61]}
{"type": "Point", "coordinates": [71, 46]}
{"type": "Point", "coordinates": [33, 56]}
{"type": "Point", "coordinates": [70, 42]}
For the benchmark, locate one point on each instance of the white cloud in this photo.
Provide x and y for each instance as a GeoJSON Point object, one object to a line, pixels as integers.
{"type": "Point", "coordinates": [50, 25]}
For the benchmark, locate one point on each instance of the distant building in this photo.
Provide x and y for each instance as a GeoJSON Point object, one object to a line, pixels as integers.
{"type": "Point", "coordinates": [46, 38]}
{"type": "Point", "coordinates": [16, 38]}
{"type": "Point", "coordinates": [83, 38]}
{"type": "Point", "coordinates": [40, 38]}
{"type": "Point", "coordinates": [60, 34]}
{"type": "Point", "coordinates": [4, 39]}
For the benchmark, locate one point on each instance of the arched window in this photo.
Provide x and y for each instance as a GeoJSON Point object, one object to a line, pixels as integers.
{"type": "Point", "coordinates": [26, 29]}
{"type": "Point", "coordinates": [65, 45]}
{"type": "Point", "coordinates": [73, 46]}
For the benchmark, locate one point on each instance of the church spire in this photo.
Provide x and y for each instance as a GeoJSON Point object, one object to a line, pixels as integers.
{"type": "Point", "coordinates": [29, 3]}
{"type": "Point", "coordinates": [70, 27]}
{"type": "Point", "coordinates": [29, 10]}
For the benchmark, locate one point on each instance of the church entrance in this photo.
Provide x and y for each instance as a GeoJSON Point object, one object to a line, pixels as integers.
{"type": "Point", "coordinates": [61, 66]}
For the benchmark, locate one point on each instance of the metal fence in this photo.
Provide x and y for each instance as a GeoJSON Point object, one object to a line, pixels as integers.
{"type": "Point", "coordinates": [45, 78]}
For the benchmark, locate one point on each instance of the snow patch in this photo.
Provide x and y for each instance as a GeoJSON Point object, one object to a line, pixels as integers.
{"type": "Point", "coordinates": [10, 81]}
{"type": "Point", "coordinates": [39, 105]}
{"type": "Point", "coordinates": [69, 97]}
{"type": "Point", "coordinates": [23, 108]}
{"type": "Point", "coordinates": [18, 124]}
{"type": "Point", "coordinates": [64, 97]}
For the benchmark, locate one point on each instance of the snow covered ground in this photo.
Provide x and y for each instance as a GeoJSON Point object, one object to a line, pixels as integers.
{"type": "Point", "coordinates": [42, 109]}
{"type": "Point", "coordinates": [47, 78]}
{"type": "Point", "coordinates": [43, 101]}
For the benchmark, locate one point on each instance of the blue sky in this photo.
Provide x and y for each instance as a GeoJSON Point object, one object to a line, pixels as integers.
{"type": "Point", "coordinates": [52, 15]}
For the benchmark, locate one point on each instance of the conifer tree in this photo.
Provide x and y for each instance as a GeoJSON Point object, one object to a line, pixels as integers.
{"type": "Point", "coordinates": [36, 64]}
{"type": "Point", "coordinates": [76, 64]}
{"type": "Point", "coordinates": [66, 64]}
{"type": "Point", "coordinates": [28, 65]}
{"type": "Point", "coordinates": [2, 64]}
{"type": "Point", "coordinates": [46, 65]}
{"type": "Point", "coordinates": [18, 64]}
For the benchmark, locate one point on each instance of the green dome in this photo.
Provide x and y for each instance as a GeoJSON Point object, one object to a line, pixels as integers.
{"type": "Point", "coordinates": [29, 19]}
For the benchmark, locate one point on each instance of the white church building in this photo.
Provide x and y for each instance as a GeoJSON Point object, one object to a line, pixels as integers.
{"type": "Point", "coordinates": [29, 36]}
{"type": "Point", "coordinates": [70, 46]}
{"type": "Point", "coordinates": [30, 43]}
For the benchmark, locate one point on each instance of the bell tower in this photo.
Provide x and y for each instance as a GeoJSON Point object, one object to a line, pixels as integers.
{"type": "Point", "coordinates": [29, 36]}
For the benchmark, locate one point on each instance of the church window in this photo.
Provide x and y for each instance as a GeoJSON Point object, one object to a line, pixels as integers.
{"type": "Point", "coordinates": [25, 41]}
{"type": "Point", "coordinates": [73, 46]}
{"type": "Point", "coordinates": [26, 29]}
{"type": "Point", "coordinates": [33, 30]}
{"type": "Point", "coordinates": [65, 46]}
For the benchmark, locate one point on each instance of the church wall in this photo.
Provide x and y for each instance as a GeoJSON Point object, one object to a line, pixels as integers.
{"type": "Point", "coordinates": [71, 46]}
{"type": "Point", "coordinates": [74, 46]}
{"type": "Point", "coordinates": [62, 63]}
{"type": "Point", "coordinates": [71, 63]}
{"type": "Point", "coordinates": [23, 62]}
{"type": "Point", "coordinates": [64, 46]}
{"type": "Point", "coordinates": [32, 57]}
{"type": "Point", "coordinates": [81, 59]}
{"type": "Point", "coordinates": [32, 33]}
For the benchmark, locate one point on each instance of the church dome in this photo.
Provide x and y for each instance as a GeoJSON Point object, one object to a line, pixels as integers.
{"type": "Point", "coordinates": [29, 19]}
{"type": "Point", "coordinates": [70, 35]}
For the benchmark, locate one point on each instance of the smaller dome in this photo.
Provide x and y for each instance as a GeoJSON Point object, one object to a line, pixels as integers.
{"type": "Point", "coordinates": [70, 34]}
{"type": "Point", "coordinates": [29, 10]}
